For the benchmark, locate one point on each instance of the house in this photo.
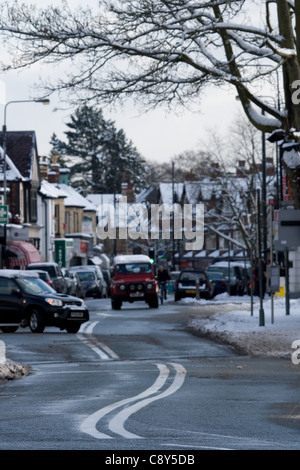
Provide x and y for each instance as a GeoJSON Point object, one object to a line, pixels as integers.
{"type": "Point", "coordinates": [73, 216]}
{"type": "Point", "coordinates": [22, 184]}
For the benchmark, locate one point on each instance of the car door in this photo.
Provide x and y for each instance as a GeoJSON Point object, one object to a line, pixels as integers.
{"type": "Point", "coordinates": [10, 304]}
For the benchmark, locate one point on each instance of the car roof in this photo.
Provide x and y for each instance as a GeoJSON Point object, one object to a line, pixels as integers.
{"type": "Point", "coordinates": [123, 259]}
{"type": "Point", "coordinates": [46, 263]}
{"type": "Point", "coordinates": [17, 273]}
{"type": "Point", "coordinates": [80, 267]}
{"type": "Point", "coordinates": [40, 271]}
{"type": "Point", "coordinates": [224, 264]}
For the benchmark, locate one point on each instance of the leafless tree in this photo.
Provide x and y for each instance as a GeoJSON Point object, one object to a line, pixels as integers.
{"type": "Point", "coordinates": [166, 52]}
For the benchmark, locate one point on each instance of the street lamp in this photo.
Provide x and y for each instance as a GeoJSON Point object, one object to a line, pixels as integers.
{"type": "Point", "coordinates": [4, 129]}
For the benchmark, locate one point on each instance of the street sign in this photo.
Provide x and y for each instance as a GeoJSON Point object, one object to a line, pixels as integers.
{"type": "Point", "coordinates": [3, 214]}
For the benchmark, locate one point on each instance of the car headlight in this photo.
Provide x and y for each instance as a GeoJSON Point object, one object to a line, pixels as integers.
{"type": "Point", "coordinates": [150, 286]}
{"type": "Point", "coordinates": [54, 302]}
{"type": "Point", "coordinates": [122, 286]}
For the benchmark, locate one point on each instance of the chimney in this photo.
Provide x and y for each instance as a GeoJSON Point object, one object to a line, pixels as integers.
{"type": "Point", "coordinates": [53, 172]}
{"type": "Point", "coordinates": [44, 165]}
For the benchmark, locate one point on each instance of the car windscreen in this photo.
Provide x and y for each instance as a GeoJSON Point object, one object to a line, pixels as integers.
{"type": "Point", "coordinates": [134, 268]}
{"type": "Point", "coordinates": [86, 275]}
{"type": "Point", "coordinates": [191, 276]}
{"type": "Point", "coordinates": [213, 276]}
{"type": "Point", "coordinates": [35, 286]}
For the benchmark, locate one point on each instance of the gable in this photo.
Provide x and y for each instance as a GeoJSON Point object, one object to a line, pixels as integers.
{"type": "Point", "coordinates": [22, 150]}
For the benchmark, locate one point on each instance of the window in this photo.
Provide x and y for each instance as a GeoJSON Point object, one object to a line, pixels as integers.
{"type": "Point", "coordinates": [33, 205]}
{"type": "Point", "coordinates": [67, 222]}
{"type": "Point", "coordinates": [76, 225]}
{"type": "Point", "coordinates": [6, 286]}
{"type": "Point", "coordinates": [56, 211]}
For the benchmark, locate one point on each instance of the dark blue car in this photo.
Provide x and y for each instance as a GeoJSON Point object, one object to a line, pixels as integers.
{"type": "Point", "coordinates": [218, 282]}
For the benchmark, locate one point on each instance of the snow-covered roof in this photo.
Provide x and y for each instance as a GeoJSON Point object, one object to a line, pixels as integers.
{"type": "Point", "coordinates": [98, 199]}
{"type": "Point", "coordinates": [12, 173]}
{"type": "Point", "coordinates": [74, 199]}
{"type": "Point", "coordinates": [166, 192]}
{"type": "Point", "coordinates": [50, 190]}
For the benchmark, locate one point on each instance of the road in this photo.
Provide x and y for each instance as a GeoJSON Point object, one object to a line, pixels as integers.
{"type": "Point", "coordinates": [136, 379]}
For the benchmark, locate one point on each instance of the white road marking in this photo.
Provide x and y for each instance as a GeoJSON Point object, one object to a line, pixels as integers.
{"type": "Point", "coordinates": [117, 423]}
{"type": "Point", "coordinates": [97, 346]}
{"type": "Point", "coordinates": [97, 350]}
{"type": "Point", "coordinates": [88, 327]}
{"type": "Point", "coordinates": [105, 348]}
{"type": "Point", "coordinates": [89, 424]}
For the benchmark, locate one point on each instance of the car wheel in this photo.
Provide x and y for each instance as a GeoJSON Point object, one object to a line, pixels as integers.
{"type": "Point", "coordinates": [116, 304]}
{"type": "Point", "coordinates": [72, 328]}
{"type": "Point", "coordinates": [177, 297]}
{"type": "Point", "coordinates": [153, 303]}
{"type": "Point", "coordinates": [9, 329]}
{"type": "Point", "coordinates": [36, 321]}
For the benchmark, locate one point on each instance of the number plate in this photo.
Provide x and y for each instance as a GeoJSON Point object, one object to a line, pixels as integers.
{"type": "Point", "coordinates": [137, 294]}
{"type": "Point", "coordinates": [191, 291]}
{"type": "Point", "coordinates": [77, 314]}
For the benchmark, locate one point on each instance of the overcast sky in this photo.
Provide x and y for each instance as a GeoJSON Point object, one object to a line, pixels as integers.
{"type": "Point", "coordinates": [158, 135]}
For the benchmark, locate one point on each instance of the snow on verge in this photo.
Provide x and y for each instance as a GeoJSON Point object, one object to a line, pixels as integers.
{"type": "Point", "coordinates": [229, 320]}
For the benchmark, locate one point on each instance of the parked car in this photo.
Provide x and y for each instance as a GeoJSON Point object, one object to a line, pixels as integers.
{"type": "Point", "coordinates": [75, 286]}
{"type": "Point", "coordinates": [233, 274]}
{"type": "Point", "coordinates": [185, 285]}
{"type": "Point", "coordinates": [71, 281]}
{"type": "Point", "coordinates": [44, 275]}
{"type": "Point", "coordinates": [218, 282]}
{"type": "Point", "coordinates": [90, 282]}
{"type": "Point", "coordinates": [27, 300]}
{"type": "Point", "coordinates": [55, 273]}
{"type": "Point", "coordinates": [100, 278]}
{"type": "Point", "coordinates": [133, 280]}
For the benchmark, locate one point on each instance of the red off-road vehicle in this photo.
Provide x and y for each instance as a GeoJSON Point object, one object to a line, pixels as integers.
{"type": "Point", "coordinates": [133, 279]}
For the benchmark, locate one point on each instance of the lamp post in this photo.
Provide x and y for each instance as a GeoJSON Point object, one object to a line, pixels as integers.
{"type": "Point", "coordinates": [4, 129]}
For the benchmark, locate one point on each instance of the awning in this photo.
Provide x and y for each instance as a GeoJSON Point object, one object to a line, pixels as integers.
{"type": "Point", "coordinates": [23, 253]}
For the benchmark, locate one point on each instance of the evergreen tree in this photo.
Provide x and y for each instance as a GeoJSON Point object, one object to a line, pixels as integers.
{"type": "Point", "coordinates": [98, 155]}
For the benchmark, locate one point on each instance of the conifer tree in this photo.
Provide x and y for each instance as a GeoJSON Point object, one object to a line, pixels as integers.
{"type": "Point", "coordinates": [98, 155]}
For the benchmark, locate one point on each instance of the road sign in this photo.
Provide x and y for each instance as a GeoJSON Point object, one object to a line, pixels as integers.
{"type": "Point", "coordinates": [3, 214]}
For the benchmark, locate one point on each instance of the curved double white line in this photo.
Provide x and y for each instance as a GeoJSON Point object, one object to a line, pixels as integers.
{"type": "Point", "coordinates": [117, 423]}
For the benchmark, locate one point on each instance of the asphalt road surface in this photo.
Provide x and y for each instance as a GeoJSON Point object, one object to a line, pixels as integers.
{"type": "Point", "coordinates": [136, 379]}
